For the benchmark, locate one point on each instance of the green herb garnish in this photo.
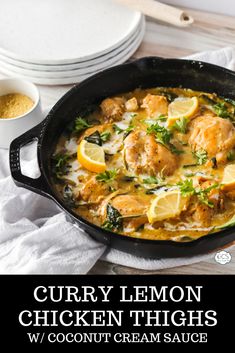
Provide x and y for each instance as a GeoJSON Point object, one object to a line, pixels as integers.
{"type": "Point", "coordinates": [126, 131]}
{"type": "Point", "coordinates": [201, 157]}
{"type": "Point", "coordinates": [117, 129]}
{"type": "Point", "coordinates": [81, 124]}
{"type": "Point", "coordinates": [107, 176]}
{"type": "Point", "coordinates": [162, 117]}
{"type": "Point", "coordinates": [162, 134]}
{"type": "Point", "coordinates": [114, 221]}
{"type": "Point", "coordinates": [105, 136]}
{"type": "Point", "coordinates": [187, 189]}
{"type": "Point", "coordinates": [181, 125]}
{"type": "Point", "coordinates": [153, 180]}
{"type": "Point", "coordinates": [60, 165]}
{"type": "Point", "coordinates": [222, 111]}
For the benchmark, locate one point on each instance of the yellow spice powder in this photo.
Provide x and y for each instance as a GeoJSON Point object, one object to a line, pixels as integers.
{"type": "Point", "coordinates": [14, 104]}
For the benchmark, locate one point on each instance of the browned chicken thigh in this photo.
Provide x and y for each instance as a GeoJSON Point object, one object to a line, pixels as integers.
{"type": "Point", "coordinates": [155, 105]}
{"type": "Point", "coordinates": [212, 134]}
{"type": "Point", "coordinates": [144, 155]}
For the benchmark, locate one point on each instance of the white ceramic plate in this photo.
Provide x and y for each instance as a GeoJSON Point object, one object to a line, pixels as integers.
{"type": "Point", "coordinates": [79, 64]}
{"type": "Point", "coordinates": [74, 79]}
{"type": "Point", "coordinates": [78, 71]}
{"type": "Point", "coordinates": [62, 31]}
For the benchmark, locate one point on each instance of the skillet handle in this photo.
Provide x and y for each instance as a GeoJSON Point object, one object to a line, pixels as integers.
{"type": "Point", "coordinates": [38, 185]}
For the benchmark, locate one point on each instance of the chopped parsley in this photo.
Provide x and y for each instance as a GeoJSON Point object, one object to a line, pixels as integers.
{"type": "Point", "coordinates": [162, 117]}
{"type": "Point", "coordinates": [187, 189]}
{"type": "Point", "coordinates": [117, 129]}
{"type": "Point", "coordinates": [81, 124]}
{"type": "Point", "coordinates": [201, 157]}
{"type": "Point", "coordinates": [60, 165]}
{"type": "Point", "coordinates": [181, 125]}
{"type": "Point", "coordinates": [162, 134]}
{"type": "Point", "coordinates": [105, 136]}
{"type": "Point", "coordinates": [107, 176]}
{"type": "Point", "coordinates": [221, 110]}
{"type": "Point", "coordinates": [126, 131]}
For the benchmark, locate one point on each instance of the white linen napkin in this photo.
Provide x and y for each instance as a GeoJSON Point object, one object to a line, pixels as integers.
{"type": "Point", "coordinates": [35, 236]}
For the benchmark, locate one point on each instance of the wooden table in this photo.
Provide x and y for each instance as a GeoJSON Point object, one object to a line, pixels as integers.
{"type": "Point", "coordinates": [210, 31]}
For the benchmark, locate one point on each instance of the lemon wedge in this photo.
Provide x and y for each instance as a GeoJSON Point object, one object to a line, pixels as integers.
{"type": "Point", "coordinates": [228, 181]}
{"type": "Point", "coordinates": [181, 108]}
{"type": "Point", "coordinates": [91, 156]}
{"type": "Point", "coordinates": [166, 205]}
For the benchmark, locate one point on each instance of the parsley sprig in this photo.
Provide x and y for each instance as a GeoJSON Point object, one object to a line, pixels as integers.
{"type": "Point", "coordinates": [153, 180]}
{"type": "Point", "coordinates": [221, 110]}
{"type": "Point", "coordinates": [126, 131]}
{"type": "Point", "coordinates": [105, 136]}
{"type": "Point", "coordinates": [107, 176]}
{"type": "Point", "coordinates": [201, 157]}
{"type": "Point", "coordinates": [163, 136]}
{"type": "Point", "coordinates": [81, 124]}
{"type": "Point", "coordinates": [181, 125]}
{"type": "Point", "coordinates": [187, 189]}
{"type": "Point", "coordinates": [60, 164]}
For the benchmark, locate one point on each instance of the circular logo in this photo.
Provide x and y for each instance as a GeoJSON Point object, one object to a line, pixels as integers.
{"type": "Point", "coordinates": [223, 257]}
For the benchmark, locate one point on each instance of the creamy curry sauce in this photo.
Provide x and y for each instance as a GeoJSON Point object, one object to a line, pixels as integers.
{"type": "Point", "coordinates": [150, 149]}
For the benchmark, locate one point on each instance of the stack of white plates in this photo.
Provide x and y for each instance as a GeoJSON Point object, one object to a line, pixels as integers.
{"type": "Point", "coordinates": [62, 42]}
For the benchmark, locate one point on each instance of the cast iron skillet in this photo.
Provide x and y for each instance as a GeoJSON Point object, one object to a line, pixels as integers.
{"type": "Point", "coordinates": [144, 73]}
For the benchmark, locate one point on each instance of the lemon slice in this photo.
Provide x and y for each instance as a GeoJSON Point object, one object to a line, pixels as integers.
{"type": "Point", "coordinates": [228, 180]}
{"type": "Point", "coordinates": [181, 108]}
{"type": "Point", "coordinates": [91, 156]}
{"type": "Point", "coordinates": [166, 205]}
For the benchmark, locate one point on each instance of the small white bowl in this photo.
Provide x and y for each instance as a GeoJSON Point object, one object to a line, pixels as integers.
{"type": "Point", "coordinates": [14, 127]}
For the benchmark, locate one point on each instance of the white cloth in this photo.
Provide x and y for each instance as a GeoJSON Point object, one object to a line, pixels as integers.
{"type": "Point", "coordinates": [35, 236]}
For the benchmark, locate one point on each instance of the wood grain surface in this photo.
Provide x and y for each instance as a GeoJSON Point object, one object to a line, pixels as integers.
{"type": "Point", "coordinates": [210, 31]}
